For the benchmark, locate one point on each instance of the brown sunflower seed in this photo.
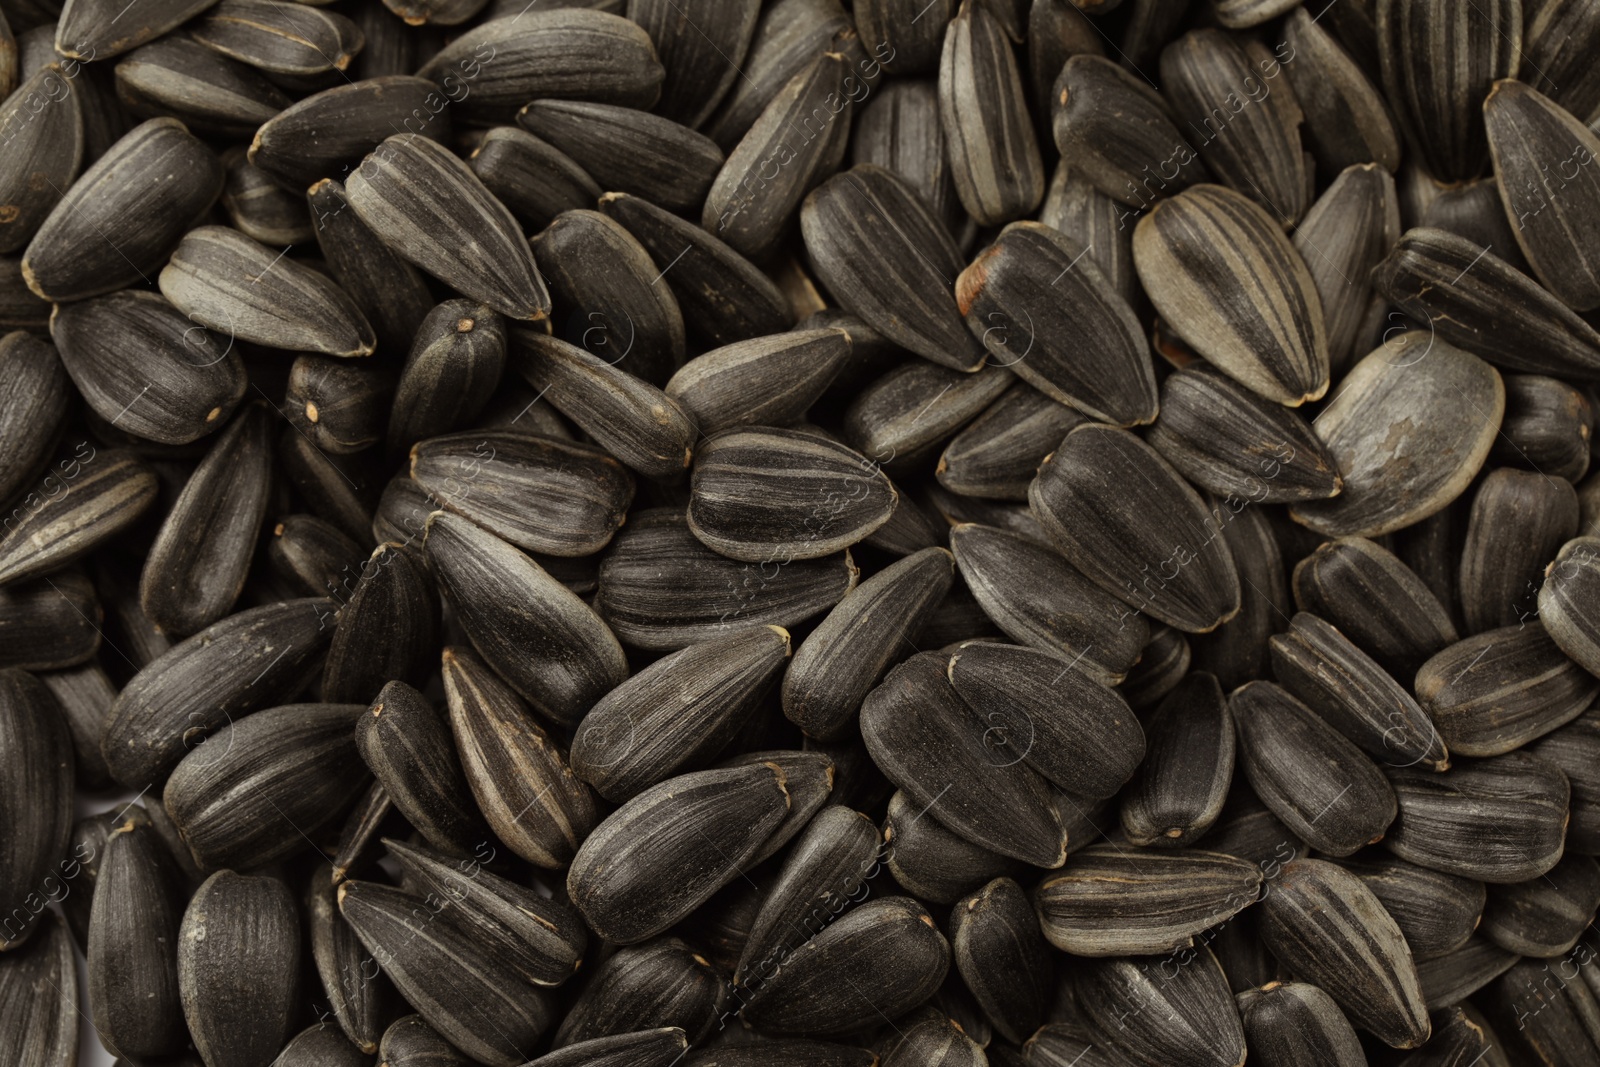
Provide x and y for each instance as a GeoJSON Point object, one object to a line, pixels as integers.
{"type": "Point", "coordinates": [677, 713]}
{"type": "Point", "coordinates": [541, 494]}
{"type": "Point", "coordinates": [33, 406]}
{"type": "Point", "coordinates": [537, 181]}
{"type": "Point", "coordinates": [1449, 979]}
{"type": "Point", "coordinates": [903, 417]}
{"type": "Point", "coordinates": [1519, 522]}
{"type": "Point", "coordinates": [1098, 496]}
{"type": "Point", "coordinates": [1120, 134]}
{"type": "Point", "coordinates": [1375, 601]}
{"type": "Point", "coordinates": [91, 501]}
{"type": "Point", "coordinates": [36, 798]}
{"type": "Point", "coordinates": [49, 623]}
{"type": "Point", "coordinates": [257, 787]}
{"type": "Point", "coordinates": [357, 990]}
{"type": "Point", "coordinates": [661, 589]}
{"type": "Point", "coordinates": [999, 452]}
{"type": "Point", "coordinates": [1436, 912]}
{"type": "Point", "coordinates": [971, 779]}
{"type": "Point", "coordinates": [1221, 272]}
{"type": "Point", "coordinates": [41, 125]}
{"type": "Point", "coordinates": [1546, 916]}
{"type": "Point", "coordinates": [1573, 748]}
{"type": "Point", "coordinates": [202, 88]}
{"type": "Point", "coordinates": [1372, 435]}
{"type": "Point", "coordinates": [885, 257]}
{"type": "Point", "coordinates": [1347, 232]}
{"type": "Point", "coordinates": [1179, 789]}
{"type": "Point", "coordinates": [88, 29]}
{"type": "Point", "coordinates": [390, 292]}
{"type": "Point", "coordinates": [552, 648]}
{"type": "Point", "coordinates": [763, 381]}
{"type": "Point", "coordinates": [660, 1047]}
{"type": "Point", "coordinates": [1468, 296]}
{"type": "Point", "coordinates": [573, 54]}
{"type": "Point", "coordinates": [1296, 1022]}
{"type": "Point", "coordinates": [1547, 427]}
{"type": "Point", "coordinates": [628, 150]}
{"type": "Point", "coordinates": [1347, 121]}
{"type": "Point", "coordinates": [723, 297]}
{"type": "Point", "coordinates": [280, 38]}
{"type": "Point", "coordinates": [1148, 1015]}
{"type": "Point", "coordinates": [238, 952]}
{"type": "Point", "coordinates": [1254, 150]}
{"type": "Point", "coordinates": [1497, 820]}
{"type": "Point", "coordinates": [1077, 341]}
{"type": "Point", "coordinates": [1325, 789]}
{"type": "Point", "coordinates": [39, 1001]}
{"type": "Point", "coordinates": [1357, 697]}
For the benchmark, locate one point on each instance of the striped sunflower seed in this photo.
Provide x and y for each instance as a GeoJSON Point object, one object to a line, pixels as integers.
{"type": "Point", "coordinates": [1544, 917]}
{"type": "Point", "coordinates": [1296, 1022]}
{"type": "Point", "coordinates": [279, 37]}
{"type": "Point", "coordinates": [1436, 912]}
{"type": "Point", "coordinates": [259, 207]}
{"type": "Point", "coordinates": [1450, 979]}
{"type": "Point", "coordinates": [450, 374]}
{"type": "Point", "coordinates": [1519, 522]}
{"type": "Point", "coordinates": [1547, 426]}
{"type": "Point", "coordinates": [107, 493]}
{"type": "Point", "coordinates": [85, 695]}
{"type": "Point", "coordinates": [389, 630]}
{"type": "Point", "coordinates": [204, 89]}
{"type": "Point", "coordinates": [936, 1039]}
{"type": "Point", "coordinates": [1236, 651]}
{"type": "Point", "coordinates": [1564, 598]}
{"type": "Point", "coordinates": [662, 983]}
{"type": "Point", "coordinates": [1095, 221]}
{"type": "Point", "coordinates": [1573, 748]}
{"type": "Point", "coordinates": [20, 306]}
{"type": "Point", "coordinates": [1324, 788]}
{"type": "Point", "coordinates": [769, 381]}
{"type": "Point", "coordinates": [411, 1042]}
{"type": "Point", "coordinates": [1150, 1016]}
{"type": "Point", "coordinates": [358, 842]}
{"type": "Point", "coordinates": [340, 490]}
{"type": "Point", "coordinates": [899, 130]}
{"type": "Point", "coordinates": [1178, 791]}
{"type": "Point", "coordinates": [39, 1001]}
{"type": "Point", "coordinates": [700, 68]}
{"type": "Point", "coordinates": [902, 418]}
{"type": "Point", "coordinates": [33, 407]}
{"type": "Point", "coordinates": [933, 862]}
{"type": "Point", "coordinates": [788, 36]}
{"type": "Point", "coordinates": [1221, 272]}
{"type": "Point", "coordinates": [37, 798]}
{"type": "Point", "coordinates": [1549, 1017]}
{"type": "Point", "coordinates": [318, 1045]}
{"type": "Point", "coordinates": [1100, 495]}
{"type": "Point", "coordinates": [325, 135]}
{"type": "Point", "coordinates": [407, 745]}
{"type": "Point", "coordinates": [660, 1047]}
{"type": "Point", "coordinates": [1347, 232]}
{"type": "Point", "coordinates": [88, 29]}
{"type": "Point", "coordinates": [360, 995]}
{"type": "Point", "coordinates": [50, 623]}
{"type": "Point", "coordinates": [42, 124]}
{"type": "Point", "coordinates": [1552, 36]}
{"type": "Point", "coordinates": [537, 181]}
{"type": "Point", "coordinates": [1062, 1044]}
{"type": "Point", "coordinates": [1346, 119]}
{"type": "Point", "coordinates": [254, 791]}
{"type": "Point", "coordinates": [1107, 901]}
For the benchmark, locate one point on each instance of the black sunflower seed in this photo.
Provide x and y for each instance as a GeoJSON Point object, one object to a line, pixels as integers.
{"type": "Point", "coordinates": [1546, 916]}
{"type": "Point", "coordinates": [1346, 120]}
{"type": "Point", "coordinates": [341, 406]}
{"type": "Point", "coordinates": [1179, 789]}
{"type": "Point", "coordinates": [411, 1042]}
{"type": "Point", "coordinates": [901, 419]}
{"type": "Point", "coordinates": [662, 983]}
{"type": "Point", "coordinates": [935, 1038]}
{"type": "Point", "coordinates": [998, 453]}
{"type": "Point", "coordinates": [357, 990]}
{"type": "Point", "coordinates": [1519, 521]}
{"type": "Point", "coordinates": [899, 130]}
{"type": "Point", "coordinates": [259, 207]}
{"type": "Point", "coordinates": [933, 862]}
{"type": "Point", "coordinates": [42, 123]}
{"type": "Point", "coordinates": [537, 181]}
{"type": "Point", "coordinates": [450, 373]}
{"type": "Point", "coordinates": [1547, 427]}
{"type": "Point", "coordinates": [406, 743]}
{"type": "Point", "coordinates": [36, 798]}
{"type": "Point", "coordinates": [341, 490]}
{"type": "Point", "coordinates": [1547, 1012]}
{"type": "Point", "coordinates": [89, 29]}
{"type": "Point", "coordinates": [85, 695]}
{"type": "Point", "coordinates": [1236, 651]}
{"type": "Point", "coordinates": [1564, 597]}
{"type": "Point", "coordinates": [700, 68]}
{"type": "Point", "coordinates": [1150, 1012]}
{"type": "Point", "coordinates": [768, 381]}
{"type": "Point", "coordinates": [92, 499]}
{"type": "Point", "coordinates": [1436, 912]}
{"type": "Point", "coordinates": [1347, 232]}
{"type": "Point", "coordinates": [1296, 1022]}
{"type": "Point", "coordinates": [661, 1047]}
{"type": "Point", "coordinates": [788, 36]}
{"type": "Point", "coordinates": [1573, 748]}
{"type": "Point", "coordinates": [279, 37]}
{"type": "Point", "coordinates": [389, 629]}
{"type": "Point", "coordinates": [49, 623]}
{"type": "Point", "coordinates": [1552, 36]}
{"type": "Point", "coordinates": [319, 1045]}
{"type": "Point", "coordinates": [204, 89]}
{"type": "Point", "coordinates": [33, 405]}
{"type": "Point", "coordinates": [39, 1001]}
{"type": "Point", "coordinates": [1002, 957]}
{"type": "Point", "coordinates": [1451, 978]}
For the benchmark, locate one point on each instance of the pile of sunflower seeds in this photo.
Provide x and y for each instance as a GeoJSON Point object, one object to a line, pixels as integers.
{"type": "Point", "coordinates": [937, 533]}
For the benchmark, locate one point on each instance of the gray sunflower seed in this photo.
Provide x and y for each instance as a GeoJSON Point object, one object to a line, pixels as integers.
{"type": "Point", "coordinates": [933, 862]}
{"type": "Point", "coordinates": [33, 407]}
{"type": "Point", "coordinates": [1221, 272]}
{"type": "Point", "coordinates": [892, 949]}
{"type": "Point", "coordinates": [957, 510]}
{"type": "Point", "coordinates": [537, 181]}
{"type": "Point", "coordinates": [320, 1045]}
{"type": "Point", "coordinates": [1093, 220]}
{"type": "Point", "coordinates": [573, 54]}
{"type": "Point", "coordinates": [407, 745]}
{"type": "Point", "coordinates": [1179, 789]}
{"type": "Point", "coordinates": [879, 249]}
{"type": "Point", "coordinates": [661, 589]}
{"type": "Point", "coordinates": [1370, 431]}
{"type": "Point", "coordinates": [1099, 495]}
{"type": "Point", "coordinates": [450, 373]}
{"type": "Point", "coordinates": [261, 208]}
{"type": "Point", "coordinates": [1547, 427]}
{"type": "Point", "coordinates": [541, 494]}
{"type": "Point", "coordinates": [1347, 232]}
{"type": "Point", "coordinates": [626, 415]}
{"type": "Point", "coordinates": [1498, 820]}
{"type": "Point", "coordinates": [85, 695]}
{"type": "Point", "coordinates": [142, 364]}
{"type": "Point", "coordinates": [747, 208]}
{"type": "Point", "coordinates": [1324, 788]}
{"type": "Point", "coordinates": [389, 628]}
{"type": "Point", "coordinates": [1564, 597]}
{"type": "Point", "coordinates": [723, 297]}
{"type": "Point", "coordinates": [428, 206]}
{"type": "Point", "coordinates": [1498, 690]}
{"type": "Point", "coordinates": [280, 38]}
{"type": "Point", "coordinates": [628, 150]}
{"type": "Point", "coordinates": [49, 623]}
{"type": "Point", "coordinates": [121, 218]}
{"type": "Point", "coordinates": [848, 652]}
{"type": "Point", "coordinates": [994, 157]}
{"type": "Point", "coordinates": [1550, 1017]}
{"type": "Point", "coordinates": [1337, 933]}
{"type": "Point", "coordinates": [1519, 522]}
{"type": "Point", "coordinates": [325, 135]}
{"type": "Point", "coordinates": [222, 279]}
{"type": "Point", "coordinates": [1469, 296]}
{"type": "Point", "coordinates": [358, 991]}
{"type": "Point", "coordinates": [134, 994]}
{"type": "Point", "coordinates": [934, 1039]}
{"type": "Point", "coordinates": [542, 940]}
{"type": "Point", "coordinates": [1002, 957]}
{"type": "Point", "coordinates": [390, 292]}
{"type": "Point", "coordinates": [549, 645]}
{"type": "Point", "coordinates": [475, 1001]}
{"type": "Point", "coordinates": [615, 879]}
{"type": "Point", "coordinates": [904, 416]}
{"type": "Point", "coordinates": [1375, 601]}
{"type": "Point", "coordinates": [238, 952]}
{"type": "Point", "coordinates": [1108, 902]}
{"type": "Point", "coordinates": [88, 29]}
{"type": "Point", "coordinates": [39, 1001]}
{"type": "Point", "coordinates": [1430, 549]}
{"type": "Point", "coordinates": [899, 130]}
{"type": "Point", "coordinates": [1556, 221]}
{"type": "Point", "coordinates": [1078, 341]}
{"type": "Point", "coordinates": [701, 46]}
{"type": "Point", "coordinates": [606, 281]}
{"type": "Point", "coordinates": [1296, 1022]}
{"type": "Point", "coordinates": [1357, 697]}
{"type": "Point", "coordinates": [1254, 150]}
{"type": "Point", "coordinates": [1546, 916]}
{"type": "Point", "coordinates": [661, 1047]}
{"type": "Point", "coordinates": [41, 125]}
{"type": "Point", "coordinates": [197, 565]}
{"type": "Point", "coordinates": [1448, 980]}
{"type": "Point", "coordinates": [1231, 442]}
{"type": "Point", "coordinates": [677, 713]}
{"type": "Point", "coordinates": [1236, 651]}
{"type": "Point", "coordinates": [1439, 61]}
{"type": "Point", "coordinates": [341, 406]}
{"type": "Point", "coordinates": [1346, 119]}
{"type": "Point", "coordinates": [834, 857]}
{"type": "Point", "coordinates": [513, 766]}
{"type": "Point", "coordinates": [663, 983]}
{"type": "Point", "coordinates": [959, 767]}
{"type": "Point", "coordinates": [257, 787]}
{"type": "Point", "coordinates": [1556, 61]}
{"type": "Point", "coordinates": [36, 798]}
{"type": "Point", "coordinates": [1436, 912]}
{"type": "Point", "coordinates": [111, 490]}
{"type": "Point", "coordinates": [411, 1042]}
{"type": "Point", "coordinates": [1150, 1016]}
{"type": "Point", "coordinates": [1573, 748]}
{"type": "Point", "coordinates": [999, 452]}
{"type": "Point", "coordinates": [204, 89]}
{"type": "Point", "coordinates": [763, 381]}
{"type": "Point", "coordinates": [1120, 134]}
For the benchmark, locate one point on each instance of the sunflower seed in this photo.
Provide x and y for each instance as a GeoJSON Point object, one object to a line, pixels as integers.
{"type": "Point", "coordinates": [535, 180]}
{"type": "Point", "coordinates": [20, 306]}
{"type": "Point", "coordinates": [1236, 651]}
{"type": "Point", "coordinates": [1544, 917]}
{"type": "Point", "coordinates": [700, 68]}
{"type": "Point", "coordinates": [359, 993]}
{"type": "Point", "coordinates": [389, 628]}
{"type": "Point", "coordinates": [259, 207]}
{"type": "Point", "coordinates": [904, 416]}
{"type": "Point", "coordinates": [390, 292]}
{"type": "Point", "coordinates": [33, 406]}
{"type": "Point", "coordinates": [88, 28]}
{"type": "Point", "coordinates": [1552, 35]}
{"type": "Point", "coordinates": [341, 491]}
{"type": "Point", "coordinates": [1563, 599]}
{"type": "Point", "coordinates": [407, 745]}
{"type": "Point", "coordinates": [663, 983]}
{"type": "Point", "coordinates": [39, 1001]}
{"type": "Point", "coordinates": [1436, 912]}
{"type": "Point", "coordinates": [411, 1042]}
{"type": "Point", "coordinates": [36, 799]}
{"type": "Point", "coordinates": [879, 249]}
{"type": "Point", "coordinates": [1497, 820]}
{"type": "Point", "coordinates": [325, 135]}
{"type": "Point", "coordinates": [1002, 958]}
{"type": "Point", "coordinates": [661, 1047]}
{"type": "Point", "coordinates": [1148, 1015]}
{"type": "Point", "coordinates": [1549, 1015]}
{"type": "Point", "coordinates": [1179, 789]}
{"type": "Point", "coordinates": [1321, 785]}
{"type": "Point", "coordinates": [1346, 119]}
{"type": "Point", "coordinates": [101, 497]}
{"type": "Point", "coordinates": [1448, 980]}
{"type": "Point", "coordinates": [541, 494]}
{"type": "Point", "coordinates": [1519, 522]}
{"type": "Point", "coordinates": [85, 695]}
{"type": "Point", "coordinates": [319, 1045]}
{"type": "Point", "coordinates": [936, 1039]}
{"type": "Point", "coordinates": [1160, 664]}
{"type": "Point", "coordinates": [1547, 427]}
{"type": "Point", "coordinates": [763, 381]}
{"type": "Point", "coordinates": [204, 89]}
{"type": "Point", "coordinates": [280, 38]}
{"type": "Point", "coordinates": [1296, 1022]}
{"type": "Point", "coordinates": [41, 125]}
{"type": "Point", "coordinates": [931, 861]}
{"type": "Point", "coordinates": [1061, 1044]}
{"type": "Point", "coordinates": [339, 405]}
{"type": "Point", "coordinates": [450, 373]}
{"type": "Point", "coordinates": [999, 452]}
{"type": "Point", "coordinates": [899, 130]}
{"type": "Point", "coordinates": [1347, 232]}
{"type": "Point", "coordinates": [49, 623]}
{"type": "Point", "coordinates": [360, 832]}
{"type": "Point", "coordinates": [1572, 748]}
